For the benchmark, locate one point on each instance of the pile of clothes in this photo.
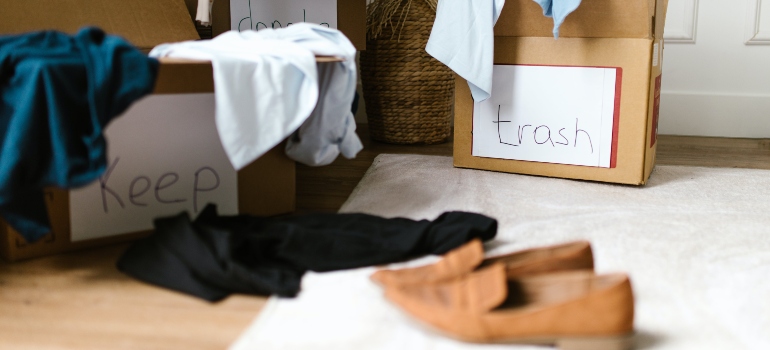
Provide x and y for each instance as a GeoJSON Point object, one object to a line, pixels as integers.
{"type": "Point", "coordinates": [59, 92]}
{"type": "Point", "coordinates": [215, 256]}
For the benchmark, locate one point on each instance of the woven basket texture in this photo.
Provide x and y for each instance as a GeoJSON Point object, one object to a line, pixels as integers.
{"type": "Point", "coordinates": [409, 94]}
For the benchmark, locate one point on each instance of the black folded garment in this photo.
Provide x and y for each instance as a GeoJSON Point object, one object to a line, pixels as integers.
{"type": "Point", "coordinates": [215, 256]}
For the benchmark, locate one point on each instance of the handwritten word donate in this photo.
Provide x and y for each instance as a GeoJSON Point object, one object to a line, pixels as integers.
{"type": "Point", "coordinates": [274, 24]}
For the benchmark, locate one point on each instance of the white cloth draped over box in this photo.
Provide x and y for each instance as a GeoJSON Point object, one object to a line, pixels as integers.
{"type": "Point", "coordinates": [463, 37]}
{"type": "Point", "coordinates": [203, 13]}
{"type": "Point", "coordinates": [267, 85]}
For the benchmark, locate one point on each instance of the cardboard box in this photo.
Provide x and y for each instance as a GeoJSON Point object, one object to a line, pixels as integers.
{"type": "Point", "coordinates": [626, 36]}
{"type": "Point", "coordinates": [351, 18]}
{"type": "Point", "coordinates": [144, 23]}
{"type": "Point", "coordinates": [265, 187]}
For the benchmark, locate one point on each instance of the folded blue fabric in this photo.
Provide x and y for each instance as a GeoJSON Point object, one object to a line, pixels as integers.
{"type": "Point", "coordinates": [558, 9]}
{"type": "Point", "coordinates": [57, 93]}
{"type": "Point", "coordinates": [463, 39]}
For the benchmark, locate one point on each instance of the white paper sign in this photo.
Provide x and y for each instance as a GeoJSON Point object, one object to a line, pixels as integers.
{"type": "Point", "coordinates": [549, 114]}
{"type": "Point", "coordinates": [261, 14]}
{"type": "Point", "coordinates": [165, 157]}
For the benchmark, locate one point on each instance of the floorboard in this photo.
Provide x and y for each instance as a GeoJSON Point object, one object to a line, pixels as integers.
{"type": "Point", "coordinates": [80, 301]}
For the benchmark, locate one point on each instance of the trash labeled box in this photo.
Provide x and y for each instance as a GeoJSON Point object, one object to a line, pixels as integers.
{"type": "Point", "coordinates": [164, 152]}
{"type": "Point", "coordinates": [584, 106]}
{"type": "Point", "coordinates": [349, 16]}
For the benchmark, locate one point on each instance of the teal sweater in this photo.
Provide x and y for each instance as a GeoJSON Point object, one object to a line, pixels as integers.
{"type": "Point", "coordinates": [57, 94]}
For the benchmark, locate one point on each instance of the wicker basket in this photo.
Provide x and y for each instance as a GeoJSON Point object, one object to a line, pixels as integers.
{"type": "Point", "coordinates": [409, 94]}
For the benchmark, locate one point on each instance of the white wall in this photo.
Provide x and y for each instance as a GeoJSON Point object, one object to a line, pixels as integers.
{"type": "Point", "coordinates": [716, 68]}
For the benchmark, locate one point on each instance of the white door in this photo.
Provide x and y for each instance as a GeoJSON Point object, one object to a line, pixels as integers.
{"type": "Point", "coordinates": [716, 70]}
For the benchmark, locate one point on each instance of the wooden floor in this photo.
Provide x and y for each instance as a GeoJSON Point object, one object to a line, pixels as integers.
{"type": "Point", "coordinates": [80, 301]}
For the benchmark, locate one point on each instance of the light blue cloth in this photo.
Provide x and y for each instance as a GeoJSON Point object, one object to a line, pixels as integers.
{"type": "Point", "coordinates": [267, 87]}
{"type": "Point", "coordinates": [463, 39]}
{"type": "Point", "coordinates": [330, 130]}
{"type": "Point", "coordinates": [558, 9]}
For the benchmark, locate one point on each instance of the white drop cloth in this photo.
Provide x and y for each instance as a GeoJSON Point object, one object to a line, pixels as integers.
{"type": "Point", "coordinates": [695, 241]}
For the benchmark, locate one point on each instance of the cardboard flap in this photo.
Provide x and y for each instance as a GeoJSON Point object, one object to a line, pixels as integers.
{"type": "Point", "coordinates": [351, 21]}
{"type": "Point", "coordinates": [593, 19]}
{"type": "Point", "coordinates": [144, 23]}
{"type": "Point", "coordinates": [660, 18]}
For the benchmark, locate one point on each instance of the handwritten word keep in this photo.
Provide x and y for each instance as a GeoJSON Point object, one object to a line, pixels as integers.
{"type": "Point", "coordinates": [141, 190]}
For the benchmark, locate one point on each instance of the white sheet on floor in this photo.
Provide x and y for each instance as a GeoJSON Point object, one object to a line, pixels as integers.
{"type": "Point", "coordinates": [695, 241]}
{"type": "Point", "coordinates": [342, 311]}
{"type": "Point", "coordinates": [267, 85]}
{"type": "Point", "coordinates": [462, 38]}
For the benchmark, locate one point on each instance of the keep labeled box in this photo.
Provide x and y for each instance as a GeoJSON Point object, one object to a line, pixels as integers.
{"type": "Point", "coordinates": [164, 153]}
{"type": "Point", "coordinates": [584, 106]}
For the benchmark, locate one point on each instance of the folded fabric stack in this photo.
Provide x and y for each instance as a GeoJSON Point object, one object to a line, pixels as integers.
{"type": "Point", "coordinates": [546, 295]}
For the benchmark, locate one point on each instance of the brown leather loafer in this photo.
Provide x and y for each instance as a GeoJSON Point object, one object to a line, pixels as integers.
{"type": "Point", "coordinates": [463, 260]}
{"type": "Point", "coordinates": [573, 310]}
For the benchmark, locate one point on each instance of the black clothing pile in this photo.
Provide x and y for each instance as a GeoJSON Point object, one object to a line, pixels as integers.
{"type": "Point", "coordinates": [215, 256]}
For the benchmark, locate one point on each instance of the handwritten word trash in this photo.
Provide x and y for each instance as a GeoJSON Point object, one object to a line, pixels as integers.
{"type": "Point", "coordinates": [548, 114]}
